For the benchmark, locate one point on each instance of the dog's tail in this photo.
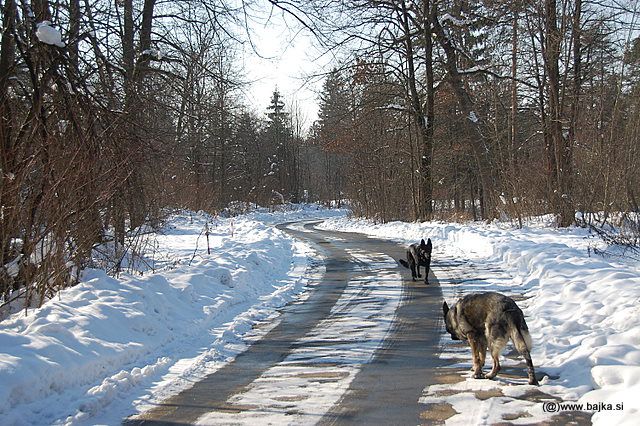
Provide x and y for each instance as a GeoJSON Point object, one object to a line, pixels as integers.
{"type": "Point", "coordinates": [403, 263]}
{"type": "Point", "coordinates": [522, 341]}
{"type": "Point", "coordinates": [520, 333]}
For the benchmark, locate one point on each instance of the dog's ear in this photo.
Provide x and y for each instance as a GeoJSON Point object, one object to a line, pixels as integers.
{"type": "Point", "coordinates": [445, 308]}
{"type": "Point", "coordinates": [422, 244]}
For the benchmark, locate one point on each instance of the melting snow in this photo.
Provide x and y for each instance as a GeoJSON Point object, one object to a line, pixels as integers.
{"type": "Point", "coordinates": [582, 311]}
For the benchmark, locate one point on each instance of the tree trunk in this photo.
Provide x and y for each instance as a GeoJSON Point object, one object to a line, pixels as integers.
{"type": "Point", "coordinates": [480, 145]}
{"type": "Point", "coordinates": [426, 164]}
{"type": "Point", "coordinates": [425, 134]}
{"type": "Point", "coordinates": [566, 154]}
{"type": "Point", "coordinates": [74, 33]}
{"type": "Point", "coordinates": [8, 189]}
{"type": "Point", "coordinates": [558, 146]}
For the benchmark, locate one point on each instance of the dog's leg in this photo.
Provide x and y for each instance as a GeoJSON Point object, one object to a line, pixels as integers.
{"type": "Point", "coordinates": [522, 341]}
{"type": "Point", "coordinates": [475, 354]}
{"type": "Point", "coordinates": [531, 372]}
{"type": "Point", "coordinates": [481, 344]}
{"type": "Point", "coordinates": [412, 266]}
{"type": "Point", "coordinates": [426, 271]}
{"type": "Point", "coordinates": [496, 365]}
{"type": "Point", "coordinates": [496, 347]}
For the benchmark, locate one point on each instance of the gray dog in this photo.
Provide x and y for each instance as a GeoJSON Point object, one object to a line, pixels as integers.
{"type": "Point", "coordinates": [489, 320]}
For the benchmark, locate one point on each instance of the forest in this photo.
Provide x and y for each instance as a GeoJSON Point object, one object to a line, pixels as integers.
{"type": "Point", "coordinates": [113, 113]}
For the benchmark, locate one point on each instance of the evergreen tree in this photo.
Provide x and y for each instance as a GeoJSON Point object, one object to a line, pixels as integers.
{"type": "Point", "coordinates": [283, 164]}
{"type": "Point", "coordinates": [249, 165]}
{"type": "Point", "coordinates": [334, 135]}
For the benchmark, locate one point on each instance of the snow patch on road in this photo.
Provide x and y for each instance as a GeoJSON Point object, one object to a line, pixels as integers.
{"type": "Point", "coordinates": [313, 378]}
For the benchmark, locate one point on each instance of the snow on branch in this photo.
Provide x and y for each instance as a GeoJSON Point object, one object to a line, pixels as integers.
{"type": "Point", "coordinates": [474, 69]}
{"type": "Point", "coordinates": [477, 69]}
{"type": "Point", "coordinates": [49, 35]}
{"type": "Point", "coordinates": [393, 107]}
{"type": "Point", "coordinates": [455, 21]}
{"type": "Point", "coordinates": [153, 53]}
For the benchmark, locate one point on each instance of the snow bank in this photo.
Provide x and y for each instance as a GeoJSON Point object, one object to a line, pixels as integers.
{"type": "Point", "coordinates": [123, 343]}
{"type": "Point", "coordinates": [582, 310]}
{"type": "Point", "coordinates": [109, 347]}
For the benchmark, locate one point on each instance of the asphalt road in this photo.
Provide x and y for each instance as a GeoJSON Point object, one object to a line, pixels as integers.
{"type": "Point", "coordinates": [356, 276]}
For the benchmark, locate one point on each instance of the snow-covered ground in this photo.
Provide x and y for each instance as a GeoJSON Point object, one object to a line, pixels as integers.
{"type": "Point", "coordinates": [583, 312]}
{"type": "Point", "coordinates": [109, 347]}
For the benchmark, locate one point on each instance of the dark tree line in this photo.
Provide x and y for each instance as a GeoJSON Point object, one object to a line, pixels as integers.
{"type": "Point", "coordinates": [133, 111]}
{"type": "Point", "coordinates": [482, 109]}
{"type": "Point", "coordinates": [438, 109]}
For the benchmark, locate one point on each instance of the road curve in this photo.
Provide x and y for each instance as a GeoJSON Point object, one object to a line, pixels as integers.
{"type": "Point", "coordinates": [360, 349]}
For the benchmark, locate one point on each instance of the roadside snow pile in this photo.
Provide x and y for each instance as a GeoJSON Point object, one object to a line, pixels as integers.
{"type": "Point", "coordinates": [583, 311]}
{"type": "Point", "coordinates": [120, 343]}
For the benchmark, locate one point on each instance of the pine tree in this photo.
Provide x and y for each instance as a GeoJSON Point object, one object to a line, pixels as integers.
{"type": "Point", "coordinates": [283, 159]}
{"type": "Point", "coordinates": [334, 134]}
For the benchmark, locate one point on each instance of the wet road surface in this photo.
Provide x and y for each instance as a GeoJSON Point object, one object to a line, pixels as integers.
{"type": "Point", "coordinates": [360, 349]}
{"type": "Point", "coordinates": [363, 348]}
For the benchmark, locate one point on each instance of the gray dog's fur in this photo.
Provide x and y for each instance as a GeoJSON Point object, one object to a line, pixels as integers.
{"type": "Point", "coordinates": [419, 255]}
{"type": "Point", "coordinates": [489, 320]}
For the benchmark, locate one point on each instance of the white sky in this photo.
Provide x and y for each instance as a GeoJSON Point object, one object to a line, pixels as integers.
{"type": "Point", "coordinates": [284, 59]}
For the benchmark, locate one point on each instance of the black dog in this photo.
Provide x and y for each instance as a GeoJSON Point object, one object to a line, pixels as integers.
{"type": "Point", "coordinates": [418, 255]}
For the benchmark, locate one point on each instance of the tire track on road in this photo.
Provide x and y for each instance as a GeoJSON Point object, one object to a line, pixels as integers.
{"type": "Point", "coordinates": [360, 349]}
